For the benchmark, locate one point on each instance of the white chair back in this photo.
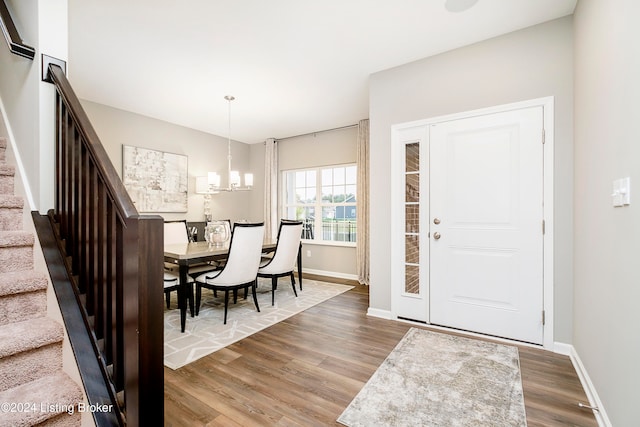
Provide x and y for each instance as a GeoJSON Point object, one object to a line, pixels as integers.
{"type": "Point", "coordinates": [175, 232]}
{"type": "Point", "coordinates": [244, 255]}
{"type": "Point", "coordinates": [284, 260]}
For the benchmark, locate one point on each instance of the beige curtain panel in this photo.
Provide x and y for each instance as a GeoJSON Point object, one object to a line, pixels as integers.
{"type": "Point", "coordinates": [362, 212]}
{"type": "Point", "coordinates": [271, 188]}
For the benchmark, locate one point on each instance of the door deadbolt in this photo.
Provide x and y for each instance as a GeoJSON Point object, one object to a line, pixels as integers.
{"type": "Point", "coordinates": [436, 235]}
{"type": "Point", "coordinates": [436, 221]}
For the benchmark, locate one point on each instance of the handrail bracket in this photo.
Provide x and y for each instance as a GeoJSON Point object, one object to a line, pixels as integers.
{"type": "Point", "coordinates": [48, 60]}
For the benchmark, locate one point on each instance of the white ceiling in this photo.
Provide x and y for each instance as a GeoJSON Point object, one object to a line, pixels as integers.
{"type": "Point", "coordinates": [294, 66]}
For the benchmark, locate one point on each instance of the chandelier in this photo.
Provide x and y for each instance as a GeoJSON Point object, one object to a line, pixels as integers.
{"type": "Point", "coordinates": [210, 184]}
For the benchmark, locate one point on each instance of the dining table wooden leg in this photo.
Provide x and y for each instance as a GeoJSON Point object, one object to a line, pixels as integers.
{"type": "Point", "coordinates": [183, 296]}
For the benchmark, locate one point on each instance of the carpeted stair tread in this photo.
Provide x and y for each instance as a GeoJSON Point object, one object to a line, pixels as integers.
{"type": "Point", "coordinates": [27, 366]}
{"type": "Point", "coordinates": [48, 393]}
{"type": "Point", "coordinates": [28, 335]}
{"type": "Point", "coordinates": [16, 238]}
{"type": "Point", "coordinates": [7, 170]}
{"type": "Point", "coordinates": [16, 282]}
{"type": "Point", "coordinates": [11, 211]}
{"type": "Point", "coordinates": [16, 251]}
{"type": "Point", "coordinates": [23, 296]}
{"type": "Point", "coordinates": [11, 202]}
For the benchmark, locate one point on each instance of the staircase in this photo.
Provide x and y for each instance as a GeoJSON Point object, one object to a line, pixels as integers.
{"type": "Point", "coordinates": [34, 390]}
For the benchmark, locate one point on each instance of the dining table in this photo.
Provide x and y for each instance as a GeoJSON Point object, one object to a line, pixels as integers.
{"type": "Point", "coordinates": [189, 254]}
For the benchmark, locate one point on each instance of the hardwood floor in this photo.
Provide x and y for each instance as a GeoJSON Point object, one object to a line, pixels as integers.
{"type": "Point", "coordinates": [305, 370]}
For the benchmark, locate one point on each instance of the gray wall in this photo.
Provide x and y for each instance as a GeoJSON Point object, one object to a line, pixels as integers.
{"type": "Point", "coordinates": [607, 239]}
{"type": "Point", "coordinates": [19, 92]}
{"type": "Point", "coordinates": [532, 63]}
{"type": "Point", "coordinates": [28, 103]}
{"type": "Point", "coordinates": [320, 149]}
{"type": "Point", "coordinates": [205, 153]}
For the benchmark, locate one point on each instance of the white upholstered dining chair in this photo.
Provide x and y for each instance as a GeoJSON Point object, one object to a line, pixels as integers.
{"type": "Point", "coordinates": [241, 268]}
{"type": "Point", "coordinates": [172, 283]}
{"type": "Point", "coordinates": [176, 232]}
{"type": "Point", "coordinates": [285, 257]}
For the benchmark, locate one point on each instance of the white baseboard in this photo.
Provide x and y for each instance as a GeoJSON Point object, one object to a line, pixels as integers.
{"type": "Point", "coordinates": [562, 348]}
{"type": "Point", "coordinates": [589, 388]}
{"type": "Point", "coordinates": [382, 314]}
{"type": "Point", "coordinates": [330, 274]}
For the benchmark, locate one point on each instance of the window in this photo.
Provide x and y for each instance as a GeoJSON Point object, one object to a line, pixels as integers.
{"type": "Point", "coordinates": [324, 199]}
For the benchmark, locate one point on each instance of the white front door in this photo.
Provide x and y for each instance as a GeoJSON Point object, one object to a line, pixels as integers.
{"type": "Point", "coordinates": [486, 224]}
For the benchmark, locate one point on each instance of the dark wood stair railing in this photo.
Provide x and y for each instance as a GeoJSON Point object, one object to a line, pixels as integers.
{"type": "Point", "coordinates": [112, 260]}
{"type": "Point", "coordinates": [15, 43]}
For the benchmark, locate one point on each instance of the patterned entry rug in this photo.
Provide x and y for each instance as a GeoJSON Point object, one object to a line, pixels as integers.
{"type": "Point", "coordinates": [435, 379]}
{"type": "Point", "coordinates": [206, 332]}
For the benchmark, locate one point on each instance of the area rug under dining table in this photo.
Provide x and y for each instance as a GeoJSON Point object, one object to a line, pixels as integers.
{"type": "Point", "coordinates": [206, 333]}
{"type": "Point", "coordinates": [436, 379]}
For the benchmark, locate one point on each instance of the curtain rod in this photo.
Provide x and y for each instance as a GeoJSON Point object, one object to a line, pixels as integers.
{"type": "Point", "coordinates": [314, 133]}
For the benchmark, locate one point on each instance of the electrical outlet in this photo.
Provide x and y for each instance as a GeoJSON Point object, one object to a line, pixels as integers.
{"type": "Point", "coordinates": [308, 253]}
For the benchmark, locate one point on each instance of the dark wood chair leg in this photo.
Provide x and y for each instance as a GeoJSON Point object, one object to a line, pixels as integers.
{"type": "Point", "coordinates": [293, 284]}
{"type": "Point", "coordinates": [274, 286]}
{"type": "Point", "coordinates": [167, 296]}
{"type": "Point", "coordinates": [255, 297]}
{"type": "Point", "coordinates": [226, 304]}
{"type": "Point", "coordinates": [198, 297]}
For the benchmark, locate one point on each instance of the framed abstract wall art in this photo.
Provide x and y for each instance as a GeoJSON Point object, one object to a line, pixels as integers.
{"type": "Point", "coordinates": [155, 180]}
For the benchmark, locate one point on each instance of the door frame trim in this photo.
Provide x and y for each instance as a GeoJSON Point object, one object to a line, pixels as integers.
{"type": "Point", "coordinates": [397, 236]}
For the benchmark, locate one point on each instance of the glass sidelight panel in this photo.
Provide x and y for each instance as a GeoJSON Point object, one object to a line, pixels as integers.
{"type": "Point", "coordinates": [412, 187]}
{"type": "Point", "coordinates": [412, 218]}
{"type": "Point", "coordinates": [412, 248]}
{"type": "Point", "coordinates": [412, 279]}
{"type": "Point", "coordinates": [412, 157]}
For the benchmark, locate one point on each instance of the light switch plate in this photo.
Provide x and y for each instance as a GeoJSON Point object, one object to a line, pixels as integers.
{"type": "Point", "coordinates": [625, 189]}
{"type": "Point", "coordinates": [621, 195]}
